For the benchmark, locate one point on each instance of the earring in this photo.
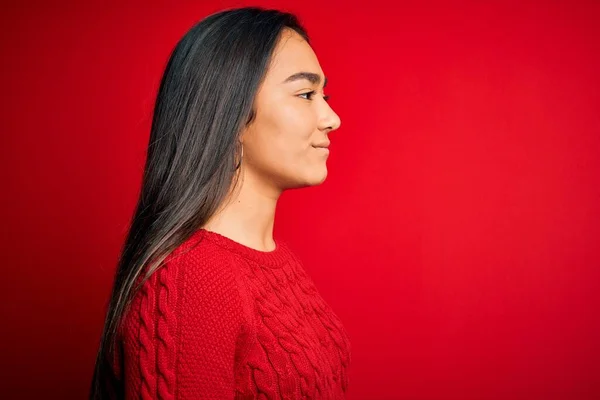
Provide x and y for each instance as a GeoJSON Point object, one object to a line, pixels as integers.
{"type": "Point", "coordinates": [241, 157]}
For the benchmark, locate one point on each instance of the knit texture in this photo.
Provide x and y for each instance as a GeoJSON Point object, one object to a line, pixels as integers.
{"type": "Point", "coordinates": [220, 320]}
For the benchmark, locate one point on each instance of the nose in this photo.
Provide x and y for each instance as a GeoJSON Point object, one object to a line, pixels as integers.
{"type": "Point", "coordinates": [329, 120]}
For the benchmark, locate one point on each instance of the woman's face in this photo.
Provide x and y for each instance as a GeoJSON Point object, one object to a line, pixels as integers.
{"type": "Point", "coordinates": [292, 118]}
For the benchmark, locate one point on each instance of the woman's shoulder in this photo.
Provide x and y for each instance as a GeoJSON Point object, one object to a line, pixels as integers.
{"type": "Point", "coordinates": [200, 267]}
{"type": "Point", "coordinates": [189, 307]}
{"type": "Point", "coordinates": [194, 281]}
{"type": "Point", "coordinates": [193, 269]}
{"type": "Point", "coordinates": [197, 249]}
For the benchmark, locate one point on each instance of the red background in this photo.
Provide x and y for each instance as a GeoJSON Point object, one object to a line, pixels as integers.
{"type": "Point", "coordinates": [456, 234]}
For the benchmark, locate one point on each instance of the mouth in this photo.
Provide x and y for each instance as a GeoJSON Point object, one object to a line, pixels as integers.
{"type": "Point", "coordinates": [323, 145]}
{"type": "Point", "coordinates": [322, 149]}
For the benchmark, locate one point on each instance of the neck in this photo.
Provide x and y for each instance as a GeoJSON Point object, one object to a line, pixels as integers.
{"type": "Point", "coordinates": [248, 215]}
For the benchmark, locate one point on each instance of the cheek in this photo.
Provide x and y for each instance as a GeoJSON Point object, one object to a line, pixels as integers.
{"type": "Point", "coordinates": [285, 133]}
{"type": "Point", "coordinates": [296, 123]}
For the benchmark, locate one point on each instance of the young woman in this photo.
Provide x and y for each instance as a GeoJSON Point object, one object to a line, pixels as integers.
{"type": "Point", "coordinates": [206, 304]}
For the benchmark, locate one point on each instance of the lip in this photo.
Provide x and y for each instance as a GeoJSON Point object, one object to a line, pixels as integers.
{"type": "Point", "coordinates": [322, 145]}
{"type": "Point", "coordinates": [323, 148]}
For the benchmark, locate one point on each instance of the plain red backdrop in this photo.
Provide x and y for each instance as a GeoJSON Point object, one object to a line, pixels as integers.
{"type": "Point", "coordinates": [457, 234]}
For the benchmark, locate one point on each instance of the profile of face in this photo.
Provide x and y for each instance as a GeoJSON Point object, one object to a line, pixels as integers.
{"type": "Point", "coordinates": [281, 146]}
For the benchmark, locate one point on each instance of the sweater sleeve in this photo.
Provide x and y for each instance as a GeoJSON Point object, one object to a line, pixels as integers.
{"type": "Point", "coordinates": [197, 316]}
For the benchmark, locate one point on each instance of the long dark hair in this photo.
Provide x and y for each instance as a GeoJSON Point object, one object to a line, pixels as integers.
{"type": "Point", "coordinates": [206, 96]}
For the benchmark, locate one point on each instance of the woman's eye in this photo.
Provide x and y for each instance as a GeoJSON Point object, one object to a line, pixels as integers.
{"type": "Point", "coordinates": [310, 94]}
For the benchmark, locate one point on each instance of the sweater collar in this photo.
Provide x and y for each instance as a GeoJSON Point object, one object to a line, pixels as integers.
{"type": "Point", "coordinates": [274, 258]}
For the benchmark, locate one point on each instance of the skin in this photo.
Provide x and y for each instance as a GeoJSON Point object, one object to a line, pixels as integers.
{"type": "Point", "coordinates": [278, 152]}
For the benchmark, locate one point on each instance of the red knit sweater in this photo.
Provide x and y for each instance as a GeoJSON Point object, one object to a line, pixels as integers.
{"type": "Point", "coordinates": [221, 320]}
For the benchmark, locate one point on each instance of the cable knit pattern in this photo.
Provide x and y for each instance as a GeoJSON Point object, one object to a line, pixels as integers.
{"type": "Point", "coordinates": [167, 328]}
{"type": "Point", "coordinates": [221, 320]}
{"type": "Point", "coordinates": [147, 362]}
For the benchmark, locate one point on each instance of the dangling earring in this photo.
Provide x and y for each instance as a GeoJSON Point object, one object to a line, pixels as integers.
{"type": "Point", "coordinates": [241, 157]}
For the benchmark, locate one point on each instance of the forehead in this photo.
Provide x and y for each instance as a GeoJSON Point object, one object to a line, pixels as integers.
{"type": "Point", "coordinates": [292, 54]}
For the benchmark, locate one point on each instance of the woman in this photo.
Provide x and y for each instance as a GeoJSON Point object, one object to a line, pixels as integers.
{"type": "Point", "coordinates": [206, 304]}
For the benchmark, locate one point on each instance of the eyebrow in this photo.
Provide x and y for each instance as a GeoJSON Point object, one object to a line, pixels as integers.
{"type": "Point", "coordinates": [313, 78]}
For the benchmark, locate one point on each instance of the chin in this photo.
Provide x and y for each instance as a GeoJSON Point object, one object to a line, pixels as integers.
{"type": "Point", "coordinates": [320, 178]}
{"type": "Point", "coordinates": [316, 177]}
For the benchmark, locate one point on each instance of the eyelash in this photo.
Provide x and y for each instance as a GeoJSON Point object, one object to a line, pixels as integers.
{"type": "Point", "coordinates": [326, 98]}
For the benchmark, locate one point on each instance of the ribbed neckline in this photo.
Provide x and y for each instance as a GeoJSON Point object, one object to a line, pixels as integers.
{"type": "Point", "coordinates": [274, 258]}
